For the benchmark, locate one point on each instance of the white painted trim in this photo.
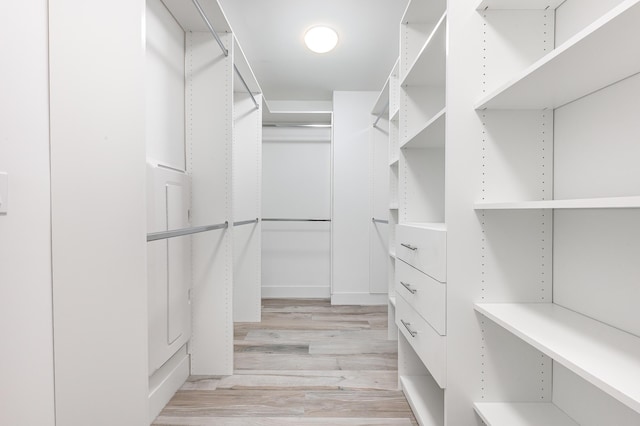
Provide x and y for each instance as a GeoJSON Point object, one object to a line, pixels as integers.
{"type": "Point", "coordinates": [359, 299]}
{"type": "Point", "coordinates": [304, 292]}
{"type": "Point", "coordinates": [165, 381]}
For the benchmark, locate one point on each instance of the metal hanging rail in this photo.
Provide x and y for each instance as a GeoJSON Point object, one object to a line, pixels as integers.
{"type": "Point", "coordinates": [163, 235]}
{"type": "Point", "coordinates": [224, 49]}
{"type": "Point", "coordinates": [294, 220]}
{"type": "Point", "coordinates": [373, 219]}
{"type": "Point", "coordinates": [246, 86]}
{"type": "Point", "coordinates": [245, 222]}
{"type": "Point", "coordinates": [208, 23]}
{"type": "Point", "coordinates": [386, 108]}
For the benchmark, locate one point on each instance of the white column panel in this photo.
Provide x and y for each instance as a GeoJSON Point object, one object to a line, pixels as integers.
{"type": "Point", "coordinates": [247, 184]}
{"type": "Point", "coordinates": [97, 64]}
{"type": "Point", "coordinates": [352, 197]}
{"type": "Point", "coordinates": [26, 370]}
{"type": "Point", "coordinates": [209, 155]}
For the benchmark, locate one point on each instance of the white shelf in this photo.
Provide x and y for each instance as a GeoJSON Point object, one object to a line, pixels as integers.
{"type": "Point", "coordinates": [392, 254]}
{"type": "Point", "coordinates": [395, 114]}
{"type": "Point", "coordinates": [393, 206]}
{"type": "Point", "coordinates": [432, 226]}
{"type": "Point", "coordinates": [522, 414]}
{"type": "Point", "coordinates": [429, 67]}
{"type": "Point", "coordinates": [601, 54]}
{"type": "Point", "coordinates": [581, 203]}
{"type": "Point", "coordinates": [419, 11]}
{"type": "Point", "coordinates": [519, 4]}
{"type": "Point", "coordinates": [393, 161]}
{"type": "Point", "coordinates": [382, 102]}
{"type": "Point", "coordinates": [190, 20]}
{"type": "Point", "coordinates": [606, 357]}
{"type": "Point", "coordinates": [432, 135]}
{"type": "Point", "coordinates": [392, 300]}
{"type": "Point", "coordinates": [425, 398]}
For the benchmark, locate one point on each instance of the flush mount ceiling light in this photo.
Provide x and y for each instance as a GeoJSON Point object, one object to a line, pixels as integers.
{"type": "Point", "coordinates": [321, 39]}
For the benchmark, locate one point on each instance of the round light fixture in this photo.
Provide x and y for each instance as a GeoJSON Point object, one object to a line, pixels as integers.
{"type": "Point", "coordinates": [321, 39]}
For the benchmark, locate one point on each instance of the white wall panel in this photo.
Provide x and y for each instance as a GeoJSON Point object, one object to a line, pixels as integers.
{"type": "Point", "coordinates": [296, 174]}
{"type": "Point", "coordinates": [164, 84]}
{"type": "Point", "coordinates": [596, 145]}
{"type": "Point", "coordinates": [574, 15]}
{"type": "Point", "coordinates": [26, 370]}
{"type": "Point", "coordinates": [352, 176]}
{"type": "Point", "coordinates": [97, 64]}
{"type": "Point", "coordinates": [247, 184]}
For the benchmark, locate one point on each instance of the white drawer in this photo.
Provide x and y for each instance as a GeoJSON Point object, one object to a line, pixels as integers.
{"type": "Point", "coordinates": [427, 296]}
{"type": "Point", "coordinates": [426, 342]}
{"type": "Point", "coordinates": [424, 246]}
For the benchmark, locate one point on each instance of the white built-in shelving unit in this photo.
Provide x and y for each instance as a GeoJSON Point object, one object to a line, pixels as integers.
{"type": "Point", "coordinates": [417, 285]}
{"type": "Point", "coordinates": [542, 212]}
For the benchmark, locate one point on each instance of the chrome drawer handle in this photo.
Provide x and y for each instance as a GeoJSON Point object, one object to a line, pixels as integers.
{"type": "Point", "coordinates": [408, 287]}
{"type": "Point", "coordinates": [406, 325]}
{"type": "Point", "coordinates": [409, 246]}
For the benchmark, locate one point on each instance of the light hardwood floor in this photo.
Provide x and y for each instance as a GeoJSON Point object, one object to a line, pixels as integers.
{"type": "Point", "coordinates": [306, 363]}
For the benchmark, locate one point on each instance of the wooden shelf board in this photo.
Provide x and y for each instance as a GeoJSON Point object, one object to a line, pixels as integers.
{"type": "Point", "coordinates": [605, 356]}
{"type": "Point", "coordinates": [429, 67]}
{"type": "Point", "coordinates": [630, 202]}
{"type": "Point", "coordinates": [519, 4]}
{"type": "Point", "coordinates": [425, 398]}
{"type": "Point", "coordinates": [601, 54]}
{"type": "Point", "coordinates": [522, 414]}
{"type": "Point", "coordinates": [432, 135]}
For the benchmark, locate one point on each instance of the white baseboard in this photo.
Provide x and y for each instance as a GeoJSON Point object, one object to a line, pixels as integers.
{"type": "Point", "coordinates": [164, 383]}
{"type": "Point", "coordinates": [359, 299]}
{"type": "Point", "coordinates": [296, 292]}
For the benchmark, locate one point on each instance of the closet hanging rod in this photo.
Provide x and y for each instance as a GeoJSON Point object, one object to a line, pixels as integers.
{"type": "Point", "coordinates": [373, 219]}
{"type": "Point", "coordinates": [245, 222]}
{"type": "Point", "coordinates": [294, 220]}
{"type": "Point", "coordinates": [163, 235]}
{"type": "Point", "coordinates": [386, 108]}
{"type": "Point", "coordinates": [295, 125]}
{"type": "Point", "coordinates": [246, 86]}
{"type": "Point", "coordinates": [211, 29]}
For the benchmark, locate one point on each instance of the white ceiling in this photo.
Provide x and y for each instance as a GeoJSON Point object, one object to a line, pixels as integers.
{"type": "Point", "coordinates": [271, 32]}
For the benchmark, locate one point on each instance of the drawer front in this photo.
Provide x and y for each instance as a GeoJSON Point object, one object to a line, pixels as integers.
{"type": "Point", "coordinates": [424, 249]}
{"type": "Point", "coordinates": [426, 342]}
{"type": "Point", "coordinates": [426, 296]}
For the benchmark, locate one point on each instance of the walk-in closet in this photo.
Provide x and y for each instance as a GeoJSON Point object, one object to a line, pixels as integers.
{"type": "Point", "coordinates": [344, 213]}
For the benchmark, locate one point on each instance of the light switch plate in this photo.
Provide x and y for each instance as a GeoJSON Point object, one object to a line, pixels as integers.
{"type": "Point", "coordinates": [4, 193]}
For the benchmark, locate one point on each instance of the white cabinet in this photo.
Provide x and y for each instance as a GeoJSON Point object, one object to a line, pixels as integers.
{"type": "Point", "coordinates": [424, 246]}
{"type": "Point", "coordinates": [424, 294]}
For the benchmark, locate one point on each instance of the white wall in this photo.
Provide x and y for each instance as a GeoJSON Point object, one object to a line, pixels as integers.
{"type": "Point", "coordinates": [98, 217]}
{"type": "Point", "coordinates": [164, 79]}
{"type": "Point", "coordinates": [26, 360]}
{"type": "Point", "coordinates": [296, 183]}
{"type": "Point", "coordinates": [352, 198]}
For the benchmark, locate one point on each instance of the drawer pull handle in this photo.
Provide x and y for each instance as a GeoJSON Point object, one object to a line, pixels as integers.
{"type": "Point", "coordinates": [408, 287]}
{"type": "Point", "coordinates": [406, 325]}
{"type": "Point", "coordinates": [409, 246]}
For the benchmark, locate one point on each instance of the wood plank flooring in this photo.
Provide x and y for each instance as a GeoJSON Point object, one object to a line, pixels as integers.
{"type": "Point", "coordinates": [306, 363]}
